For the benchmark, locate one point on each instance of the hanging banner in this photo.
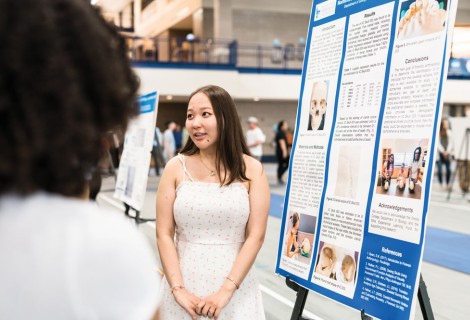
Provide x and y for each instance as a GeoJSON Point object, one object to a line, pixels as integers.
{"type": "Point", "coordinates": [131, 183]}
{"type": "Point", "coordinates": [356, 203]}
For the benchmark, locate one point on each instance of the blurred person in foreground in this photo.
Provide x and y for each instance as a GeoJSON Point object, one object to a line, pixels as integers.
{"type": "Point", "coordinates": [65, 82]}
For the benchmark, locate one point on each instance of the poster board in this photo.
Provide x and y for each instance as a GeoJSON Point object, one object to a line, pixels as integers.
{"type": "Point", "coordinates": [131, 183]}
{"type": "Point", "coordinates": [362, 159]}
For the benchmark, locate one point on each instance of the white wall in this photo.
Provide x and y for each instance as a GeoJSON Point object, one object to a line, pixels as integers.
{"type": "Point", "coordinates": [181, 82]}
{"type": "Point", "coordinates": [456, 92]}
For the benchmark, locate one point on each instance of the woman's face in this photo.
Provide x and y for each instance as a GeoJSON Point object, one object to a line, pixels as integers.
{"type": "Point", "coordinates": [391, 158]}
{"type": "Point", "coordinates": [416, 157]}
{"type": "Point", "coordinates": [201, 122]}
{"type": "Point", "coordinates": [284, 126]}
{"type": "Point", "coordinates": [445, 124]}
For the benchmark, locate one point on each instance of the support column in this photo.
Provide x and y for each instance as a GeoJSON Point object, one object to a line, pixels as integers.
{"type": "Point", "coordinates": [223, 26]}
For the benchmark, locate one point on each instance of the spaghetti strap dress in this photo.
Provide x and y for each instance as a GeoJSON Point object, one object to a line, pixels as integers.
{"type": "Point", "coordinates": [210, 231]}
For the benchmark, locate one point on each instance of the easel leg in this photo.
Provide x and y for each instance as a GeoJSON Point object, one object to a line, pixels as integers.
{"type": "Point", "coordinates": [364, 316]}
{"type": "Point", "coordinates": [424, 301]}
{"type": "Point", "coordinates": [137, 217]}
{"type": "Point", "coordinates": [299, 305]}
{"type": "Point", "coordinates": [113, 170]}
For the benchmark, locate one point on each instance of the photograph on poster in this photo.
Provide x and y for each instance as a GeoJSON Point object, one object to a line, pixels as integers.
{"type": "Point", "coordinates": [139, 137]}
{"type": "Point", "coordinates": [299, 236]}
{"type": "Point", "coordinates": [318, 103]}
{"type": "Point", "coordinates": [336, 263]}
{"type": "Point", "coordinates": [130, 181]}
{"type": "Point", "coordinates": [349, 163]}
{"type": "Point", "coordinates": [403, 164]}
{"type": "Point", "coordinates": [421, 17]}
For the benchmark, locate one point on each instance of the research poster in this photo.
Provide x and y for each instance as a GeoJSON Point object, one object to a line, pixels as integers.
{"type": "Point", "coordinates": [131, 183]}
{"type": "Point", "coordinates": [354, 219]}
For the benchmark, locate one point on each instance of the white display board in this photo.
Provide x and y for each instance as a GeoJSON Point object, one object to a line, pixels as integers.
{"type": "Point", "coordinates": [131, 184]}
{"type": "Point", "coordinates": [361, 167]}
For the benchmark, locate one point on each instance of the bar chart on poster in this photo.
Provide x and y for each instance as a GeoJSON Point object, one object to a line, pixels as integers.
{"type": "Point", "coordinates": [357, 198]}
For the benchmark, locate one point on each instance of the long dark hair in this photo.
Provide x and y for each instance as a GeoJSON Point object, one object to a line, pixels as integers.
{"type": "Point", "coordinates": [231, 143]}
{"type": "Point", "coordinates": [295, 218]}
{"type": "Point", "coordinates": [442, 130]}
{"type": "Point", "coordinates": [419, 154]}
{"type": "Point", "coordinates": [280, 124]}
{"type": "Point", "coordinates": [65, 81]}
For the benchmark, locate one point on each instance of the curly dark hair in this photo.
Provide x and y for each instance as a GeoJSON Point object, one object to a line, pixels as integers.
{"type": "Point", "coordinates": [65, 80]}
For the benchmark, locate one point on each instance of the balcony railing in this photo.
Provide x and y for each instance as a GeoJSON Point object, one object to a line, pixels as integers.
{"type": "Point", "coordinates": [209, 52]}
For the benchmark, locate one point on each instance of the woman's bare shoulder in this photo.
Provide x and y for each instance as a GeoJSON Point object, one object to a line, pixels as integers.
{"type": "Point", "coordinates": [254, 168]}
{"type": "Point", "coordinates": [173, 168]}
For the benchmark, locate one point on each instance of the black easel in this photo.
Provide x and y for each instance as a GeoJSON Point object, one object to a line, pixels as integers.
{"type": "Point", "coordinates": [137, 217]}
{"type": "Point", "coordinates": [465, 141]}
{"type": "Point", "coordinates": [423, 298]}
{"type": "Point", "coordinates": [110, 159]}
{"type": "Point", "coordinates": [299, 301]}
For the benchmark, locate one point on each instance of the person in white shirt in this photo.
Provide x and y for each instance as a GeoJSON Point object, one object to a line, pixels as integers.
{"type": "Point", "coordinates": [169, 143]}
{"type": "Point", "coordinates": [255, 138]}
{"type": "Point", "coordinates": [69, 82]}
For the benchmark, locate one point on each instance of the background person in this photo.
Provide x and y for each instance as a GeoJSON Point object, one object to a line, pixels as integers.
{"type": "Point", "coordinates": [445, 149]}
{"type": "Point", "coordinates": [169, 143]}
{"type": "Point", "coordinates": [62, 257]}
{"type": "Point", "coordinates": [282, 152]}
{"type": "Point", "coordinates": [212, 209]}
{"type": "Point", "coordinates": [157, 152]}
{"type": "Point", "coordinates": [255, 138]}
{"type": "Point", "coordinates": [178, 134]}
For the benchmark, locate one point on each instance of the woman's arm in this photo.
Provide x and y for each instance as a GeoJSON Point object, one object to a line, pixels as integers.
{"type": "Point", "coordinates": [255, 231]}
{"type": "Point", "coordinates": [384, 170]}
{"type": "Point", "coordinates": [166, 195]}
{"type": "Point", "coordinates": [291, 241]}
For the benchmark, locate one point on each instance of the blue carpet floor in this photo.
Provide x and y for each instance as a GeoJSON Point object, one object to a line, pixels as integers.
{"type": "Point", "coordinates": [447, 249]}
{"type": "Point", "coordinates": [277, 205]}
{"type": "Point", "coordinates": [444, 248]}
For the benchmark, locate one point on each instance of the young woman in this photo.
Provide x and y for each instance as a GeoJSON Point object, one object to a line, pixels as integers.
{"type": "Point", "coordinates": [387, 171]}
{"type": "Point", "coordinates": [212, 209]}
{"type": "Point", "coordinates": [292, 247]}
